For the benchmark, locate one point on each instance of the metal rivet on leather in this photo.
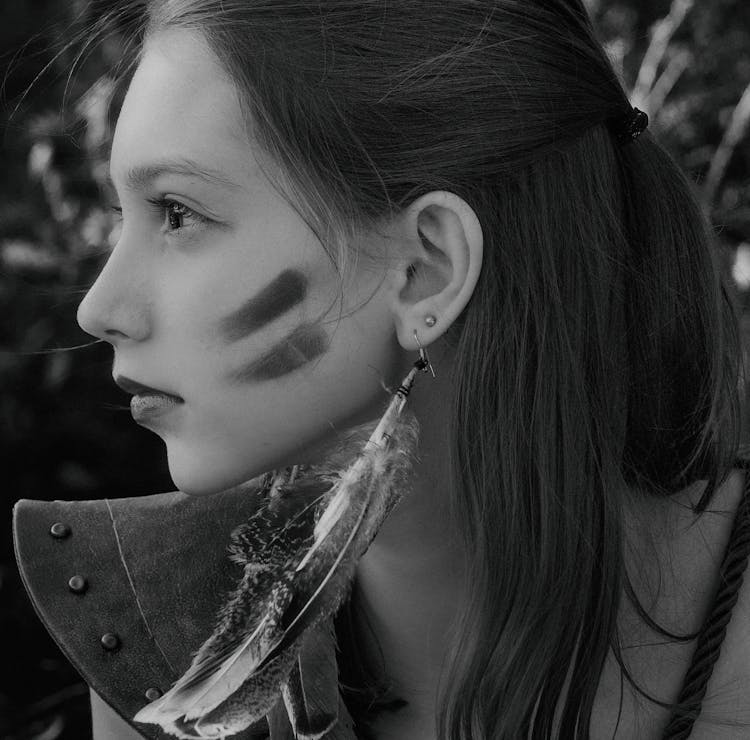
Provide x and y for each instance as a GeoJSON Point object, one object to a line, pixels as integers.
{"type": "Point", "coordinates": [59, 530]}
{"type": "Point", "coordinates": [78, 584]}
{"type": "Point", "coordinates": [110, 641]}
{"type": "Point", "coordinates": [152, 694]}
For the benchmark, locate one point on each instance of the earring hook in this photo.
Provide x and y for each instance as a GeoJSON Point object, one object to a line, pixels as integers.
{"type": "Point", "coordinates": [424, 359]}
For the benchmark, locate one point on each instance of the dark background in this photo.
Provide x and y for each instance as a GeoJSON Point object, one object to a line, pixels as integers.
{"type": "Point", "coordinates": [65, 429]}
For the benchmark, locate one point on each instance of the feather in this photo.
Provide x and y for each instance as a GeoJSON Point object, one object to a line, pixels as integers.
{"type": "Point", "coordinates": [323, 705]}
{"type": "Point", "coordinates": [299, 553]}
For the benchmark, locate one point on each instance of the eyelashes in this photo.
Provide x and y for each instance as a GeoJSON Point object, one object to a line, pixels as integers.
{"type": "Point", "coordinates": [176, 212]}
{"type": "Point", "coordinates": [178, 218]}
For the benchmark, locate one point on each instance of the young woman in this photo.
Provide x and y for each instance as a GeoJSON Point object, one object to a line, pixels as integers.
{"type": "Point", "coordinates": [312, 192]}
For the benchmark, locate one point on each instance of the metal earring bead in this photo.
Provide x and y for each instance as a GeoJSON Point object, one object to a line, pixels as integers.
{"type": "Point", "coordinates": [423, 356]}
{"type": "Point", "coordinates": [430, 320]}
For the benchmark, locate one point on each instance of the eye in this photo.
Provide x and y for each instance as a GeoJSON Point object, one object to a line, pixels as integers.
{"type": "Point", "coordinates": [178, 215]}
{"type": "Point", "coordinates": [179, 218]}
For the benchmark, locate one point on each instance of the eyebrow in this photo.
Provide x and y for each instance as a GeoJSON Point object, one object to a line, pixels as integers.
{"type": "Point", "coordinates": [140, 177]}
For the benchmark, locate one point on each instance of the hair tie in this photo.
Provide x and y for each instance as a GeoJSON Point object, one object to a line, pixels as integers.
{"type": "Point", "coordinates": [629, 126]}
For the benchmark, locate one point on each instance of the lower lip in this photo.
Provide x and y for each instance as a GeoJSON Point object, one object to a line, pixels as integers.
{"type": "Point", "coordinates": [149, 405]}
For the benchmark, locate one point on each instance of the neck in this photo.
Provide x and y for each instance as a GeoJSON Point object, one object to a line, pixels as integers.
{"type": "Point", "coordinates": [411, 581]}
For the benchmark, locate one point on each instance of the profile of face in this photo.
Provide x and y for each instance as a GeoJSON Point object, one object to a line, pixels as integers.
{"type": "Point", "coordinates": [217, 292]}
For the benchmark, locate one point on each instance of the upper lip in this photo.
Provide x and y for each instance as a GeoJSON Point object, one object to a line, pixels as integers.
{"type": "Point", "coordinates": [134, 387]}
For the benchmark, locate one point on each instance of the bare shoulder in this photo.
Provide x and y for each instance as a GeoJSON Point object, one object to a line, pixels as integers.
{"type": "Point", "coordinates": [725, 714]}
{"type": "Point", "coordinates": [686, 570]}
{"type": "Point", "coordinates": [728, 695]}
{"type": "Point", "coordinates": [726, 708]}
{"type": "Point", "coordinates": [106, 724]}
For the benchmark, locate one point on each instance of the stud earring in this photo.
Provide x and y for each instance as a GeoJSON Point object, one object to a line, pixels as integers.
{"type": "Point", "coordinates": [430, 320]}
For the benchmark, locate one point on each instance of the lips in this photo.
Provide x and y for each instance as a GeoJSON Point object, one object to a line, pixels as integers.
{"type": "Point", "coordinates": [139, 389]}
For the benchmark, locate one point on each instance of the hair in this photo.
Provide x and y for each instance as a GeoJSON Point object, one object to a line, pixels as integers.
{"type": "Point", "coordinates": [599, 358]}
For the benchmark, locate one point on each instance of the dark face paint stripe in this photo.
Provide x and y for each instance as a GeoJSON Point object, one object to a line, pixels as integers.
{"type": "Point", "coordinates": [279, 296]}
{"type": "Point", "coordinates": [304, 344]}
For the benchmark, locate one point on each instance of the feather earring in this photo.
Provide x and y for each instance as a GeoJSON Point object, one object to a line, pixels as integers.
{"type": "Point", "coordinates": [299, 552]}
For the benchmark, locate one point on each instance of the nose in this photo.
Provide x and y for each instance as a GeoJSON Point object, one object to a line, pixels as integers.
{"type": "Point", "coordinates": [115, 307]}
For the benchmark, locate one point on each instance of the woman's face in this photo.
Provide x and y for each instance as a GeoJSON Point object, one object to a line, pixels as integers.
{"type": "Point", "coordinates": [218, 293]}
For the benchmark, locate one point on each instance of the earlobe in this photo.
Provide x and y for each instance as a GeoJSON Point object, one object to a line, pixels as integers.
{"type": "Point", "coordinates": [444, 263]}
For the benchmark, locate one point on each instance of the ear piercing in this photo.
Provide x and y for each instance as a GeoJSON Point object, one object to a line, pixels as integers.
{"type": "Point", "coordinates": [430, 320]}
{"type": "Point", "coordinates": [424, 361]}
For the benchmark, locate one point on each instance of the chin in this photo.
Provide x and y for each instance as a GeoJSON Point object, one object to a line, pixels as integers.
{"type": "Point", "coordinates": [194, 485]}
{"type": "Point", "coordinates": [196, 477]}
{"type": "Point", "coordinates": [196, 472]}
{"type": "Point", "coordinates": [199, 469]}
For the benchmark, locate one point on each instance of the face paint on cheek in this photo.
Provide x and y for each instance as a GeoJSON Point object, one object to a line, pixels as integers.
{"type": "Point", "coordinates": [283, 293]}
{"type": "Point", "coordinates": [302, 346]}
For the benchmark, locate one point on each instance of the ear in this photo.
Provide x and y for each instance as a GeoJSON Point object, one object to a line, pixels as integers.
{"type": "Point", "coordinates": [441, 245]}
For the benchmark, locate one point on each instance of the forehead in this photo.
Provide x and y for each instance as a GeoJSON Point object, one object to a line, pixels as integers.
{"type": "Point", "coordinates": [180, 104]}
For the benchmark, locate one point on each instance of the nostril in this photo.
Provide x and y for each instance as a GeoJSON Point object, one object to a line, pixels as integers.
{"type": "Point", "coordinates": [115, 334]}
{"type": "Point", "coordinates": [111, 317]}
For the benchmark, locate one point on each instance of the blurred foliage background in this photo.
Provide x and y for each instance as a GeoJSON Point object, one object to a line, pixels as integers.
{"type": "Point", "coordinates": [65, 429]}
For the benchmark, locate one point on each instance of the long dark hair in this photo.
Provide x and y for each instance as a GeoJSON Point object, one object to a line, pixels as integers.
{"type": "Point", "coordinates": [599, 357]}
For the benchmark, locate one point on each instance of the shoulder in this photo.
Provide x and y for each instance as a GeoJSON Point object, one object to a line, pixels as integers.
{"type": "Point", "coordinates": [725, 712]}
{"type": "Point", "coordinates": [728, 694]}
{"type": "Point", "coordinates": [686, 571]}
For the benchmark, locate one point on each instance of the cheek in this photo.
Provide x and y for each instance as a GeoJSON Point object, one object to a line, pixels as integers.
{"type": "Point", "coordinates": [275, 332]}
{"type": "Point", "coordinates": [280, 296]}
{"type": "Point", "coordinates": [304, 344]}
{"type": "Point", "coordinates": [242, 429]}
{"type": "Point", "coordinates": [241, 435]}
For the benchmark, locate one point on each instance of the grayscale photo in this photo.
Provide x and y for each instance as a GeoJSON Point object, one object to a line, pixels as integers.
{"type": "Point", "coordinates": [375, 369]}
